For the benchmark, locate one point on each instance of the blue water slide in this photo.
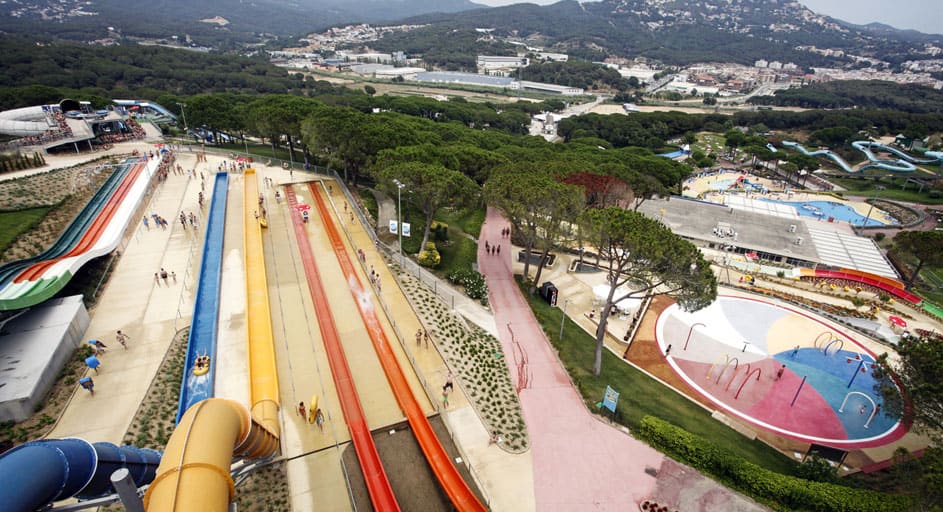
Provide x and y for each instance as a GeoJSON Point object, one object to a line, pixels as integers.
{"type": "Point", "coordinates": [146, 104]}
{"type": "Point", "coordinates": [74, 231]}
{"type": "Point", "coordinates": [202, 341]}
{"type": "Point", "coordinates": [38, 473]}
{"type": "Point", "coordinates": [904, 163]}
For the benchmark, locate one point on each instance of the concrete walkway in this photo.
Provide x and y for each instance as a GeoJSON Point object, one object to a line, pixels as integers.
{"type": "Point", "coordinates": [581, 463]}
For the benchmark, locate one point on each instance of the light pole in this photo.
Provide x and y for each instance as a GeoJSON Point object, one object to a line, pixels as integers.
{"type": "Point", "coordinates": [183, 112]}
{"type": "Point", "coordinates": [563, 319]}
{"type": "Point", "coordinates": [399, 219]}
{"type": "Point", "coordinates": [874, 198]}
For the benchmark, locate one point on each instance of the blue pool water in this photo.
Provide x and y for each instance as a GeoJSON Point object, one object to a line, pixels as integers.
{"type": "Point", "coordinates": [825, 209]}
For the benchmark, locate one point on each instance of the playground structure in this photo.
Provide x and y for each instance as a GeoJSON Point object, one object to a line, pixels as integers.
{"type": "Point", "coordinates": [904, 162]}
{"type": "Point", "coordinates": [742, 355]}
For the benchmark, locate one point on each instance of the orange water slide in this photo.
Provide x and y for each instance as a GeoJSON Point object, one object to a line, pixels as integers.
{"type": "Point", "coordinates": [455, 487]}
{"type": "Point", "coordinates": [90, 237]}
{"type": "Point", "coordinates": [378, 484]}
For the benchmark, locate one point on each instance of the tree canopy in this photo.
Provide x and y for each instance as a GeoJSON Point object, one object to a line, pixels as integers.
{"type": "Point", "coordinates": [647, 257]}
{"type": "Point", "coordinates": [926, 246]}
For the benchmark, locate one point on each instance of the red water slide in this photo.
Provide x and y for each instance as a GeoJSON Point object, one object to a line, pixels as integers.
{"type": "Point", "coordinates": [378, 485]}
{"type": "Point", "coordinates": [90, 237]}
{"type": "Point", "coordinates": [892, 287]}
{"type": "Point", "coordinates": [459, 493]}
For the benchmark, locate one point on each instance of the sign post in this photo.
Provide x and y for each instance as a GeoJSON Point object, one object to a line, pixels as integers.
{"type": "Point", "coordinates": [610, 400]}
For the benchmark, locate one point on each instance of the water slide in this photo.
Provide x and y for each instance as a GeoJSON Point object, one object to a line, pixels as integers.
{"type": "Point", "coordinates": [378, 485]}
{"type": "Point", "coordinates": [452, 483]}
{"type": "Point", "coordinates": [263, 373]}
{"type": "Point", "coordinates": [38, 473]}
{"type": "Point", "coordinates": [203, 326]}
{"type": "Point", "coordinates": [892, 286]}
{"type": "Point", "coordinates": [146, 104]}
{"type": "Point", "coordinates": [905, 162]}
{"type": "Point", "coordinates": [96, 231]}
{"type": "Point", "coordinates": [93, 233]}
{"type": "Point", "coordinates": [194, 473]}
{"type": "Point", "coordinates": [73, 232]}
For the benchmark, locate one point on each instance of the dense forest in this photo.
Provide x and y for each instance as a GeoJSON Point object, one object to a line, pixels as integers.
{"type": "Point", "coordinates": [575, 73]}
{"type": "Point", "coordinates": [129, 71]}
{"type": "Point", "coordinates": [868, 94]}
{"type": "Point", "coordinates": [650, 130]}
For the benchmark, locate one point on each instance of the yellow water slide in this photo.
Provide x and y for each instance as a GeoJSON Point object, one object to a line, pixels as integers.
{"type": "Point", "coordinates": [194, 471]}
{"type": "Point", "coordinates": [263, 375]}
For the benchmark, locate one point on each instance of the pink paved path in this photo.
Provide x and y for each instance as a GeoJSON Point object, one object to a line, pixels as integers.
{"type": "Point", "coordinates": [579, 462]}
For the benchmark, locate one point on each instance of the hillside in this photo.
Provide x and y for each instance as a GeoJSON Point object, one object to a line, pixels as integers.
{"type": "Point", "coordinates": [680, 33]}
{"type": "Point", "coordinates": [219, 24]}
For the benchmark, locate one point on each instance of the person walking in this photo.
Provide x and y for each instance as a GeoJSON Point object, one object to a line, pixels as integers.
{"type": "Point", "coordinates": [156, 279]}
{"type": "Point", "coordinates": [93, 363]}
{"type": "Point", "coordinates": [419, 338]}
{"type": "Point", "coordinates": [445, 399]}
{"type": "Point", "coordinates": [319, 419]}
{"type": "Point", "coordinates": [173, 275]}
{"type": "Point", "coordinates": [146, 223]}
{"type": "Point", "coordinates": [301, 410]}
{"type": "Point", "coordinates": [779, 372]}
{"type": "Point", "coordinates": [97, 346]}
{"type": "Point", "coordinates": [122, 338]}
{"type": "Point", "coordinates": [164, 275]}
{"type": "Point", "coordinates": [448, 383]}
{"type": "Point", "coordinates": [87, 384]}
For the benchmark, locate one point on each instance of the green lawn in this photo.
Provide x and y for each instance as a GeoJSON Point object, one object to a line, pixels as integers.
{"type": "Point", "coordinates": [641, 395]}
{"type": "Point", "coordinates": [12, 224]}
{"type": "Point", "coordinates": [892, 190]}
{"type": "Point", "coordinates": [469, 221]}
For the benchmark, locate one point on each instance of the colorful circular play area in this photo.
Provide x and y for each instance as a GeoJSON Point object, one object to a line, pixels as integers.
{"type": "Point", "coordinates": [780, 370]}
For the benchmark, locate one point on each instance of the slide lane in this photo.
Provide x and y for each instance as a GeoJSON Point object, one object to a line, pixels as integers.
{"type": "Point", "coordinates": [263, 373]}
{"type": "Point", "coordinates": [452, 483]}
{"type": "Point", "coordinates": [93, 233]}
{"type": "Point", "coordinates": [378, 485]}
{"type": "Point", "coordinates": [204, 323]}
{"type": "Point", "coordinates": [74, 230]}
{"type": "Point", "coordinates": [904, 164]}
{"type": "Point", "coordinates": [60, 271]}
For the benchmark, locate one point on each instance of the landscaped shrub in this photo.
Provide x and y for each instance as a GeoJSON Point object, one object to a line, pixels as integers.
{"type": "Point", "coordinates": [429, 257]}
{"type": "Point", "coordinates": [440, 231]}
{"type": "Point", "coordinates": [774, 488]}
{"type": "Point", "coordinates": [474, 283]}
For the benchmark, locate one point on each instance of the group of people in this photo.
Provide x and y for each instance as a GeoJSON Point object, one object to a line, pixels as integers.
{"type": "Point", "coordinates": [422, 335]}
{"type": "Point", "coordinates": [158, 221]}
{"type": "Point", "coordinates": [492, 248]}
{"type": "Point", "coordinates": [94, 363]}
{"type": "Point", "coordinates": [163, 275]}
{"type": "Point", "coordinates": [315, 415]}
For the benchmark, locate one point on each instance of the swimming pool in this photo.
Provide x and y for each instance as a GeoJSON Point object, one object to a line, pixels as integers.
{"type": "Point", "coordinates": [826, 209]}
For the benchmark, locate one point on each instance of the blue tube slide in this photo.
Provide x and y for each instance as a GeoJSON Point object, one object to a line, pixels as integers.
{"type": "Point", "coordinates": [202, 341]}
{"type": "Point", "coordinates": [74, 231]}
{"type": "Point", "coordinates": [905, 163]}
{"type": "Point", "coordinates": [38, 473]}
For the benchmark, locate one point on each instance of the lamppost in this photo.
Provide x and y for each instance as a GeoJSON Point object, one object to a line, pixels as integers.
{"type": "Point", "coordinates": [877, 192]}
{"type": "Point", "coordinates": [183, 112]}
{"type": "Point", "coordinates": [399, 219]}
{"type": "Point", "coordinates": [563, 319]}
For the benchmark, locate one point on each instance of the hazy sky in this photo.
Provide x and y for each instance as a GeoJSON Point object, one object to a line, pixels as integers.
{"type": "Point", "coordinates": [923, 15]}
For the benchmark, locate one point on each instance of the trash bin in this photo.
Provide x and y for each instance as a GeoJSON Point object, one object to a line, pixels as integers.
{"type": "Point", "coordinates": [549, 293]}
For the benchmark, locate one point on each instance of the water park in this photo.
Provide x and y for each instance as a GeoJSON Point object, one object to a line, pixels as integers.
{"type": "Point", "coordinates": [719, 186]}
{"type": "Point", "coordinates": [295, 359]}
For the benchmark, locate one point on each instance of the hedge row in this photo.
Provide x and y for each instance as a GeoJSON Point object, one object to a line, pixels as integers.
{"type": "Point", "coordinates": [782, 492]}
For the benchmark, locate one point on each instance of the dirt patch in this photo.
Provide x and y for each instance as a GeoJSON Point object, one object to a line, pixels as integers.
{"type": "Point", "coordinates": [413, 482]}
